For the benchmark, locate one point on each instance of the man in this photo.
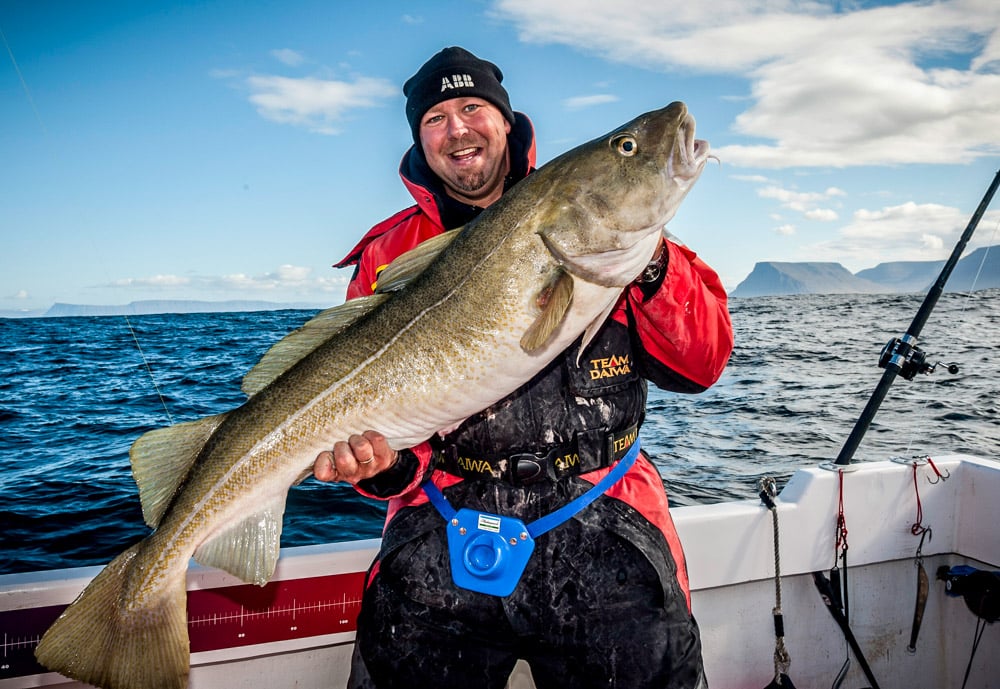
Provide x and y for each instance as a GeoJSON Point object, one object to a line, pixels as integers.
{"type": "Point", "coordinates": [603, 601]}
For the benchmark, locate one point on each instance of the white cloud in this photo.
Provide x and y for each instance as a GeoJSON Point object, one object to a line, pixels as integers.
{"type": "Point", "coordinates": [822, 214]}
{"type": "Point", "coordinates": [805, 202]}
{"type": "Point", "coordinates": [581, 102]}
{"type": "Point", "coordinates": [907, 220]}
{"type": "Point", "coordinates": [286, 279]}
{"type": "Point", "coordinates": [785, 230]}
{"type": "Point", "coordinates": [153, 282]}
{"type": "Point", "coordinates": [316, 104]}
{"type": "Point", "coordinates": [857, 86]}
{"type": "Point", "coordinates": [906, 232]}
{"type": "Point", "coordinates": [20, 295]}
{"type": "Point", "coordinates": [759, 179]}
{"type": "Point", "coordinates": [287, 56]}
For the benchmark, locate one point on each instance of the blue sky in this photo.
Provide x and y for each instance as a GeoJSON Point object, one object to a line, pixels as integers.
{"type": "Point", "coordinates": [235, 150]}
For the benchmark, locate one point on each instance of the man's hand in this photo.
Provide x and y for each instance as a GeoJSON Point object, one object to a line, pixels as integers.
{"type": "Point", "coordinates": [357, 458]}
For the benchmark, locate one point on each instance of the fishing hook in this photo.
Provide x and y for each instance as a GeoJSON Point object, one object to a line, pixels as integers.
{"type": "Point", "coordinates": [923, 532]}
{"type": "Point", "coordinates": [940, 476]}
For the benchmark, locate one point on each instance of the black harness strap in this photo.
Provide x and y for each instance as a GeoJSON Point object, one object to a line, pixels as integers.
{"type": "Point", "coordinates": [589, 450]}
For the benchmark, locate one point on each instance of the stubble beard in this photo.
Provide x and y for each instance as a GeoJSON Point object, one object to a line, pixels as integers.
{"type": "Point", "coordinates": [471, 183]}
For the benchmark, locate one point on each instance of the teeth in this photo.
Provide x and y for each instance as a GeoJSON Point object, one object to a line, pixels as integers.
{"type": "Point", "coordinates": [464, 152]}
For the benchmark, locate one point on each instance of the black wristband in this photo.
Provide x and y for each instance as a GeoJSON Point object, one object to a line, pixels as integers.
{"type": "Point", "coordinates": [395, 479]}
{"type": "Point", "coordinates": [651, 278]}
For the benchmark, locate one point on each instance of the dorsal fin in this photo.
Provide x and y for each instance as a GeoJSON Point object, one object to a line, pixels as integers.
{"type": "Point", "coordinates": [296, 345]}
{"type": "Point", "coordinates": [300, 343]}
{"type": "Point", "coordinates": [162, 458]}
{"type": "Point", "coordinates": [554, 299]}
{"type": "Point", "coordinates": [412, 263]}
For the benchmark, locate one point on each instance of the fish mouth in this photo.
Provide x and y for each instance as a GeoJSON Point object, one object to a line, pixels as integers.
{"type": "Point", "coordinates": [689, 155]}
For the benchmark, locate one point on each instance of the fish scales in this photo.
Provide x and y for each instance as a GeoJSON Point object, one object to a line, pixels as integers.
{"type": "Point", "coordinates": [536, 270]}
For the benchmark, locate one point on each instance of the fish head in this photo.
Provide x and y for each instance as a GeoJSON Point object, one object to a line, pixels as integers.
{"type": "Point", "coordinates": [615, 193]}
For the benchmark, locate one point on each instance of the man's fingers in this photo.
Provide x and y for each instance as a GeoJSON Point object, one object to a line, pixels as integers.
{"type": "Point", "coordinates": [361, 449]}
{"type": "Point", "coordinates": [355, 459]}
{"type": "Point", "coordinates": [323, 468]}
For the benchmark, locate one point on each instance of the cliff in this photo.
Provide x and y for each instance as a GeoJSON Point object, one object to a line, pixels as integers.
{"type": "Point", "coordinates": [138, 308]}
{"type": "Point", "coordinates": [978, 270]}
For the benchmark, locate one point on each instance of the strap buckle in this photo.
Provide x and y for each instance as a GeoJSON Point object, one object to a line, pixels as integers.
{"type": "Point", "coordinates": [525, 468]}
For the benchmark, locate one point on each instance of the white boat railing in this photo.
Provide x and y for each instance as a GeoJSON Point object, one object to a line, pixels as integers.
{"type": "Point", "coordinates": [315, 593]}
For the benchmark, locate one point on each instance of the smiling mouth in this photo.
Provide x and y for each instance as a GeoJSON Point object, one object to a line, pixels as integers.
{"type": "Point", "coordinates": [464, 153]}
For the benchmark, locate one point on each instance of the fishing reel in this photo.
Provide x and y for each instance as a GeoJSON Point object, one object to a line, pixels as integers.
{"type": "Point", "coordinates": [904, 354]}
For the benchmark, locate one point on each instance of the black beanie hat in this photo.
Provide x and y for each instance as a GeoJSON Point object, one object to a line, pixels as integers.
{"type": "Point", "coordinates": [453, 73]}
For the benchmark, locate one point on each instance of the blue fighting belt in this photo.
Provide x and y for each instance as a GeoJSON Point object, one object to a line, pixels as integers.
{"type": "Point", "coordinates": [489, 553]}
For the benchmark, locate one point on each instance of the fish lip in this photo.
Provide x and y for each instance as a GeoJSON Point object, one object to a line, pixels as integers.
{"type": "Point", "coordinates": [690, 153]}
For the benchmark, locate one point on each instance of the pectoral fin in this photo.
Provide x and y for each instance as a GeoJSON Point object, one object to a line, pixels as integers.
{"type": "Point", "coordinates": [249, 550]}
{"type": "Point", "coordinates": [553, 300]}
{"type": "Point", "coordinates": [161, 460]}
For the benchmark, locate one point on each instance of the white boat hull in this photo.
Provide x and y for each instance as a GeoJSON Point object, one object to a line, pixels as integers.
{"type": "Point", "coordinates": [300, 634]}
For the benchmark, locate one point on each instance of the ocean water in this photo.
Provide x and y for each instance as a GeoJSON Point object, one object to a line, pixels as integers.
{"type": "Point", "coordinates": [76, 392]}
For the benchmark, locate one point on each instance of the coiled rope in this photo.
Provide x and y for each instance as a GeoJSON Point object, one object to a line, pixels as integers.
{"type": "Point", "coordinates": [767, 489]}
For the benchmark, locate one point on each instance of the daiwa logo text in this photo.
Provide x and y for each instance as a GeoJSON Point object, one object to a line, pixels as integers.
{"type": "Point", "coordinates": [610, 368]}
{"type": "Point", "coordinates": [625, 442]}
{"type": "Point", "coordinates": [478, 466]}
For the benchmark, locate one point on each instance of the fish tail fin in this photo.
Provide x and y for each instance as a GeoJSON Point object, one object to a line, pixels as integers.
{"type": "Point", "coordinates": [99, 641]}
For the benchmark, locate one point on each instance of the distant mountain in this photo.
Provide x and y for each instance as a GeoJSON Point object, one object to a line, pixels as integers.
{"type": "Point", "coordinates": [773, 278]}
{"type": "Point", "coordinates": [904, 276]}
{"type": "Point", "coordinates": [979, 270]}
{"type": "Point", "coordinates": [138, 308]}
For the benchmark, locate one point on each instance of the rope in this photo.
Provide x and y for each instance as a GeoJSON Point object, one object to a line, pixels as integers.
{"type": "Point", "coordinates": [840, 533]}
{"type": "Point", "coordinates": [918, 528]}
{"type": "Point", "coordinates": [768, 491]}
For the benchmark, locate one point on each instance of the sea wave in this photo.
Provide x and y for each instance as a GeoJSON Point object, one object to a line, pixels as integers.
{"type": "Point", "coordinates": [76, 392]}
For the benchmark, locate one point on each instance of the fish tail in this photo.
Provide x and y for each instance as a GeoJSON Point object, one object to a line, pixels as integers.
{"type": "Point", "coordinates": [101, 641]}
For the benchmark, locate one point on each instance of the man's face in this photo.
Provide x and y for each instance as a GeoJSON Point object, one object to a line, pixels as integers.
{"type": "Point", "coordinates": [465, 142]}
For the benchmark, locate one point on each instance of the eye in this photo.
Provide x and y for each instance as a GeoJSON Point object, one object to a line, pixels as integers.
{"type": "Point", "coordinates": [625, 145]}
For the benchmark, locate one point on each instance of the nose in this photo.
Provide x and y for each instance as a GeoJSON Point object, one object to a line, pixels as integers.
{"type": "Point", "coordinates": [456, 127]}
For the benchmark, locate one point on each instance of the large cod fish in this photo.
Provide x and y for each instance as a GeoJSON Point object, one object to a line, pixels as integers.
{"type": "Point", "coordinates": [451, 334]}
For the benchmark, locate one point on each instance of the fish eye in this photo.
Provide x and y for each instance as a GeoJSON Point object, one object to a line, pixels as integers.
{"type": "Point", "coordinates": [625, 145]}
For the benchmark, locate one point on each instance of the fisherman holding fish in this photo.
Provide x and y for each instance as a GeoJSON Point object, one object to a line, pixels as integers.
{"type": "Point", "coordinates": [503, 368]}
{"type": "Point", "coordinates": [601, 599]}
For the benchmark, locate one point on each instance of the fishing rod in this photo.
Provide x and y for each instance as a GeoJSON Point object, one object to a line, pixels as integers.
{"type": "Point", "coordinates": [901, 356]}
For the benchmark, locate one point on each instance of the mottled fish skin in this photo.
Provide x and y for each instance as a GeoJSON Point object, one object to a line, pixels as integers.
{"type": "Point", "coordinates": [477, 323]}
